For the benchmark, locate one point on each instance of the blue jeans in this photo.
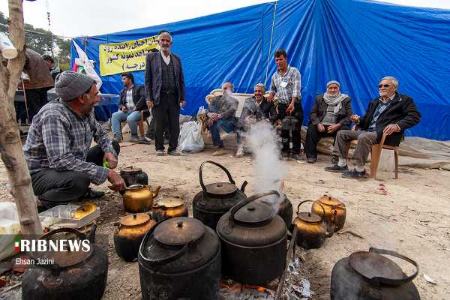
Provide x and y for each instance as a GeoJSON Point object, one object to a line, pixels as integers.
{"type": "Point", "coordinates": [227, 126]}
{"type": "Point", "coordinates": [131, 117]}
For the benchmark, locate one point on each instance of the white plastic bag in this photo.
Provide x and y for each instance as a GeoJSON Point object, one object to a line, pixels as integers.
{"type": "Point", "coordinates": [9, 229]}
{"type": "Point", "coordinates": [191, 139]}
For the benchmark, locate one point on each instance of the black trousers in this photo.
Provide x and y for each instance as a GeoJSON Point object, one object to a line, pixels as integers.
{"type": "Point", "coordinates": [286, 137]}
{"type": "Point", "coordinates": [36, 98]}
{"type": "Point", "coordinates": [167, 112]}
{"type": "Point", "coordinates": [61, 187]}
{"type": "Point", "coordinates": [313, 137]}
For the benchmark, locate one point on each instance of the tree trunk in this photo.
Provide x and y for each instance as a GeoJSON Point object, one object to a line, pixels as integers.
{"type": "Point", "coordinates": [10, 144]}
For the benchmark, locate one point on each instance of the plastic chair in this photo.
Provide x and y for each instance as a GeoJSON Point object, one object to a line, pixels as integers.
{"type": "Point", "coordinates": [376, 154]}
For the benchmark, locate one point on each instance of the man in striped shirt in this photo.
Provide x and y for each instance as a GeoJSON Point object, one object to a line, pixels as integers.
{"type": "Point", "coordinates": [286, 86]}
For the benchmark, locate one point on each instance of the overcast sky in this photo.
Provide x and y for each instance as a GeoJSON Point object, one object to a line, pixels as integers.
{"type": "Point", "coordinates": [72, 18]}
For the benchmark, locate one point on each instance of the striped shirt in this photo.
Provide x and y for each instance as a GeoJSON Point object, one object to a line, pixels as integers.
{"type": "Point", "coordinates": [287, 85]}
{"type": "Point", "coordinates": [59, 139]}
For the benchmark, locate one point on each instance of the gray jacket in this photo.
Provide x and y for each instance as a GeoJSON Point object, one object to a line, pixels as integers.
{"type": "Point", "coordinates": [153, 77]}
{"type": "Point", "coordinates": [226, 106]}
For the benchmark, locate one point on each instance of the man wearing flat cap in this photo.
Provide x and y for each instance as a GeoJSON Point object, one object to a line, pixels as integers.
{"type": "Point", "coordinates": [57, 149]}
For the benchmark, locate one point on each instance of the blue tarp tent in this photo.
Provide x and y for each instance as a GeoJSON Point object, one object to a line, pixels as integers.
{"type": "Point", "coordinates": [353, 41]}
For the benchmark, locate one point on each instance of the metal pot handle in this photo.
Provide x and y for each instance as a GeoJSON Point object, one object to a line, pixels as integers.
{"type": "Point", "coordinates": [200, 173]}
{"type": "Point", "coordinates": [54, 267]}
{"type": "Point", "coordinates": [389, 281]}
{"type": "Point", "coordinates": [164, 260]}
{"type": "Point", "coordinates": [321, 206]}
{"type": "Point", "coordinates": [252, 198]}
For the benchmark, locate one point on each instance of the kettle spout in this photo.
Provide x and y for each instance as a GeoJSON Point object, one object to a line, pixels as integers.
{"type": "Point", "coordinates": [244, 185]}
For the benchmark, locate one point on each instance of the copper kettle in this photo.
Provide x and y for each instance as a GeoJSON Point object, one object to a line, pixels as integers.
{"type": "Point", "coordinates": [311, 228]}
{"type": "Point", "coordinates": [169, 207]}
{"type": "Point", "coordinates": [334, 210]}
{"type": "Point", "coordinates": [139, 198]}
{"type": "Point", "coordinates": [129, 234]}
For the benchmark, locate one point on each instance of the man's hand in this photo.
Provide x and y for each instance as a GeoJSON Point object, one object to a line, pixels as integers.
{"type": "Point", "coordinates": [391, 128]}
{"type": "Point", "coordinates": [111, 159]}
{"type": "Point", "coordinates": [270, 97]}
{"type": "Point", "coordinates": [290, 108]}
{"type": "Point", "coordinates": [354, 118]}
{"type": "Point", "coordinates": [123, 108]}
{"type": "Point", "coordinates": [182, 103]}
{"type": "Point", "coordinates": [333, 128]}
{"type": "Point", "coordinates": [320, 127]}
{"type": "Point", "coordinates": [117, 182]}
{"type": "Point", "coordinates": [150, 104]}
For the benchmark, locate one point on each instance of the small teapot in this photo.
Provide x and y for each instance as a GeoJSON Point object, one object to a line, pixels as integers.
{"type": "Point", "coordinates": [335, 211]}
{"type": "Point", "coordinates": [139, 198]}
{"type": "Point", "coordinates": [170, 207]}
{"type": "Point", "coordinates": [311, 228]}
{"type": "Point", "coordinates": [129, 234]}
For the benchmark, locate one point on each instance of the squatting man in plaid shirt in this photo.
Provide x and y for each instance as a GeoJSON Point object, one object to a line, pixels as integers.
{"type": "Point", "coordinates": [57, 148]}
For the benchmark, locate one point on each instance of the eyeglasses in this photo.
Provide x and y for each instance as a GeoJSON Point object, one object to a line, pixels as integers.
{"type": "Point", "coordinates": [383, 85]}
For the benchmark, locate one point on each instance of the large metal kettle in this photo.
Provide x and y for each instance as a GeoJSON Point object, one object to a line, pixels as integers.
{"type": "Point", "coordinates": [311, 228]}
{"type": "Point", "coordinates": [254, 240]}
{"type": "Point", "coordinates": [67, 274]}
{"type": "Point", "coordinates": [332, 209]}
{"type": "Point", "coordinates": [139, 198]}
{"type": "Point", "coordinates": [216, 199]}
{"type": "Point", "coordinates": [370, 275]}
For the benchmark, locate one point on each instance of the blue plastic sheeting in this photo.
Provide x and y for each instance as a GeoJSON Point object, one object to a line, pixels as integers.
{"type": "Point", "coordinates": [354, 42]}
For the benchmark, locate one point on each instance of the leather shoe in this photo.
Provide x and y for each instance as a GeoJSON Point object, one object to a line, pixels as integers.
{"type": "Point", "coordinates": [92, 194]}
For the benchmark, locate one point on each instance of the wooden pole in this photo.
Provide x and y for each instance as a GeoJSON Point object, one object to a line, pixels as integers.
{"type": "Point", "coordinates": [10, 143]}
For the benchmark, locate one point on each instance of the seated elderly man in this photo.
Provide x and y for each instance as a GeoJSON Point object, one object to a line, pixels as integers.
{"type": "Point", "coordinates": [389, 114]}
{"type": "Point", "coordinates": [221, 114]}
{"type": "Point", "coordinates": [57, 148]}
{"type": "Point", "coordinates": [255, 108]}
{"type": "Point", "coordinates": [331, 112]}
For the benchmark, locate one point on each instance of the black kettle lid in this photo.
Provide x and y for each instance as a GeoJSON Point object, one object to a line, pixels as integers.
{"type": "Point", "coordinates": [254, 213]}
{"type": "Point", "coordinates": [221, 189]}
{"type": "Point", "coordinates": [179, 231]}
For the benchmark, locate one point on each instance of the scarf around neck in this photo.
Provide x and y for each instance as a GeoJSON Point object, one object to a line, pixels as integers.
{"type": "Point", "coordinates": [335, 101]}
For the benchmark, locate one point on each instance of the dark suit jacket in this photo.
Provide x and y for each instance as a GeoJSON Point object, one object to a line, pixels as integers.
{"type": "Point", "coordinates": [319, 111]}
{"type": "Point", "coordinates": [153, 79]}
{"type": "Point", "coordinates": [138, 97]}
{"type": "Point", "coordinates": [401, 111]}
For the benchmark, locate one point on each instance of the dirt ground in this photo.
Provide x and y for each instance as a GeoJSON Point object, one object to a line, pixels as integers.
{"type": "Point", "coordinates": [413, 218]}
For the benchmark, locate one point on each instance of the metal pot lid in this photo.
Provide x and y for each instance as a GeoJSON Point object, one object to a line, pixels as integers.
{"type": "Point", "coordinates": [170, 202]}
{"type": "Point", "coordinates": [372, 265]}
{"type": "Point", "coordinates": [309, 217]}
{"type": "Point", "coordinates": [134, 219]}
{"type": "Point", "coordinates": [63, 259]}
{"type": "Point", "coordinates": [221, 189]}
{"type": "Point", "coordinates": [254, 213]}
{"type": "Point", "coordinates": [331, 201]}
{"type": "Point", "coordinates": [130, 170]}
{"type": "Point", "coordinates": [179, 231]}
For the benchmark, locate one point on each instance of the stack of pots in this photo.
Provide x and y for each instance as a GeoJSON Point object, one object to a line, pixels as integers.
{"type": "Point", "coordinates": [180, 259]}
{"type": "Point", "coordinates": [254, 241]}
{"type": "Point", "coordinates": [216, 199]}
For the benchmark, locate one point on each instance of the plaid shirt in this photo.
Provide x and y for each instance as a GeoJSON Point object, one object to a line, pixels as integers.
{"type": "Point", "coordinates": [292, 87]}
{"type": "Point", "coordinates": [59, 139]}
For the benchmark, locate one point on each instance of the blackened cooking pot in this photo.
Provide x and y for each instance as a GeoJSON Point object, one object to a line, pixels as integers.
{"type": "Point", "coordinates": [253, 242]}
{"type": "Point", "coordinates": [180, 259]}
{"type": "Point", "coordinates": [216, 199]}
